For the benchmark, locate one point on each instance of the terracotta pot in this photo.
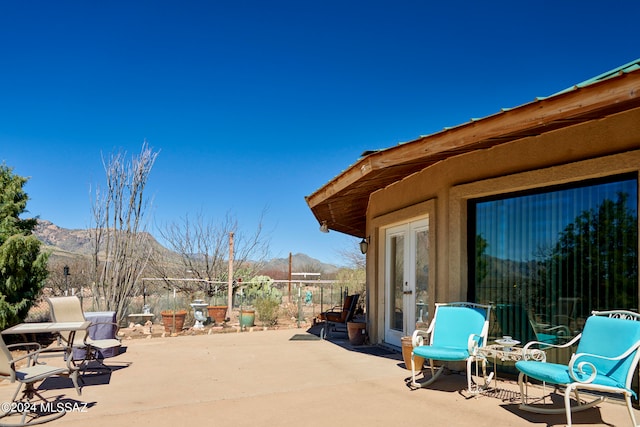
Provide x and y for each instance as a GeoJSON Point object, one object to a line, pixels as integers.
{"type": "Point", "coordinates": [407, 349]}
{"type": "Point", "coordinates": [357, 332]}
{"type": "Point", "coordinates": [168, 318]}
{"type": "Point", "coordinates": [217, 313]}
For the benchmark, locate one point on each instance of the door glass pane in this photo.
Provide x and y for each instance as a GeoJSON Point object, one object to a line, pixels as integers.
{"type": "Point", "coordinates": [397, 281]}
{"type": "Point", "coordinates": [422, 277]}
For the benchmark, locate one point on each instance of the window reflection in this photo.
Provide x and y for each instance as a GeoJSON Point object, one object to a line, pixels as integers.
{"type": "Point", "coordinates": [545, 260]}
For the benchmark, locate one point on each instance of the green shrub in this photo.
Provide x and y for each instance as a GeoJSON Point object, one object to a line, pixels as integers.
{"type": "Point", "coordinates": [267, 310]}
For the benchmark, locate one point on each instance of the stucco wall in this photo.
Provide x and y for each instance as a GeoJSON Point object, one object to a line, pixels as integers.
{"type": "Point", "coordinates": [601, 148]}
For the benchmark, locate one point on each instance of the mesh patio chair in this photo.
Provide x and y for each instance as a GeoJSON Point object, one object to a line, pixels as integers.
{"type": "Point", "coordinates": [69, 309]}
{"type": "Point", "coordinates": [27, 371]}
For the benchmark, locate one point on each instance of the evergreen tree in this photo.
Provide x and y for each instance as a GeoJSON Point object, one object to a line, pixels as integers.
{"type": "Point", "coordinates": [596, 257]}
{"type": "Point", "coordinates": [23, 268]}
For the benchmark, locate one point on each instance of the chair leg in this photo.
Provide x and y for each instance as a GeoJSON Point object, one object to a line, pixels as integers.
{"type": "Point", "coordinates": [92, 355]}
{"type": "Point", "coordinates": [477, 389]}
{"type": "Point", "coordinates": [27, 416]}
{"type": "Point", "coordinates": [434, 374]}
{"type": "Point", "coordinates": [627, 398]}
{"type": "Point", "coordinates": [523, 393]}
{"type": "Point", "coordinates": [20, 384]}
{"type": "Point", "coordinates": [413, 372]}
{"type": "Point", "coordinates": [567, 409]}
{"type": "Point", "coordinates": [567, 405]}
{"type": "Point", "coordinates": [580, 406]}
{"type": "Point", "coordinates": [74, 378]}
{"type": "Point", "coordinates": [469, 373]}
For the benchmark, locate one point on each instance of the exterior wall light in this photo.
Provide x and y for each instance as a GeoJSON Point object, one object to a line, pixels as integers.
{"type": "Point", "coordinates": [364, 245]}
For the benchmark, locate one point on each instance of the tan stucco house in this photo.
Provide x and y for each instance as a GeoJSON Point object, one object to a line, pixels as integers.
{"type": "Point", "coordinates": [533, 209]}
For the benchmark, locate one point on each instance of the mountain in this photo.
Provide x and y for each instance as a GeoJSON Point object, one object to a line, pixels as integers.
{"type": "Point", "coordinates": [70, 243]}
{"type": "Point", "coordinates": [63, 240]}
{"type": "Point", "coordinates": [300, 263]}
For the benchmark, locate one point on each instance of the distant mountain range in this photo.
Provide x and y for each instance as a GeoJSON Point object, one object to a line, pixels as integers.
{"type": "Point", "coordinates": [71, 243]}
{"type": "Point", "coordinates": [63, 240]}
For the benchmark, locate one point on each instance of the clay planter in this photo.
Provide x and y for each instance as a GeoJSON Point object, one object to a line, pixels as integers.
{"type": "Point", "coordinates": [168, 317]}
{"type": "Point", "coordinates": [357, 332]}
{"type": "Point", "coordinates": [217, 313]}
{"type": "Point", "coordinates": [407, 349]}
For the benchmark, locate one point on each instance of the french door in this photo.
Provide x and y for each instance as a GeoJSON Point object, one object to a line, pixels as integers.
{"type": "Point", "coordinates": [406, 284]}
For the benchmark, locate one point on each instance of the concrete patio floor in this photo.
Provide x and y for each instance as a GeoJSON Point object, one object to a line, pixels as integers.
{"type": "Point", "coordinates": [264, 378]}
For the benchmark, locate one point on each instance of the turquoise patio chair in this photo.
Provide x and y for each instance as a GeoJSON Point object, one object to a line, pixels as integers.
{"type": "Point", "coordinates": [604, 362]}
{"type": "Point", "coordinates": [456, 332]}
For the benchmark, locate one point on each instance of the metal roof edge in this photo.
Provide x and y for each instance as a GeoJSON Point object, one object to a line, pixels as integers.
{"type": "Point", "coordinates": [626, 68]}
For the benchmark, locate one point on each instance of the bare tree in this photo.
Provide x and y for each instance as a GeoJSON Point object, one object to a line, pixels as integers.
{"type": "Point", "coordinates": [68, 274]}
{"type": "Point", "coordinates": [352, 254]}
{"type": "Point", "coordinates": [121, 247]}
{"type": "Point", "coordinates": [203, 248]}
{"type": "Point", "coordinates": [354, 275]}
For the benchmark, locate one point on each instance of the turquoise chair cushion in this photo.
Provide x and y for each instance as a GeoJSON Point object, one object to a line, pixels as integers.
{"type": "Point", "coordinates": [603, 336]}
{"type": "Point", "coordinates": [609, 337]}
{"type": "Point", "coordinates": [452, 328]}
{"type": "Point", "coordinates": [441, 353]}
{"type": "Point", "coordinates": [554, 373]}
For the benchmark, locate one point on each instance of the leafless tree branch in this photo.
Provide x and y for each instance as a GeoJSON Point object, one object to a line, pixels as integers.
{"type": "Point", "coordinates": [121, 246]}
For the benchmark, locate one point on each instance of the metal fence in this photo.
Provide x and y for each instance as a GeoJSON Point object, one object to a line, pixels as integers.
{"type": "Point", "coordinates": [297, 301]}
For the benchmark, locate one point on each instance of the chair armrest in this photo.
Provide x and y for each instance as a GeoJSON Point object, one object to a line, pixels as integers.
{"type": "Point", "coordinates": [336, 308]}
{"type": "Point", "coordinates": [576, 365]}
{"type": "Point", "coordinates": [25, 344]}
{"type": "Point", "coordinates": [419, 337]}
{"type": "Point", "coordinates": [31, 355]}
{"type": "Point", "coordinates": [473, 343]}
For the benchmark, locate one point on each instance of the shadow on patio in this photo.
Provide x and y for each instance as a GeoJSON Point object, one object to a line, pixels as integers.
{"type": "Point", "coordinates": [266, 378]}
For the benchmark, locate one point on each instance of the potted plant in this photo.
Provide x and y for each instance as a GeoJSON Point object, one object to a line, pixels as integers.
{"type": "Point", "coordinates": [357, 332]}
{"type": "Point", "coordinates": [407, 349]}
{"type": "Point", "coordinates": [173, 320]}
{"type": "Point", "coordinates": [259, 289]}
{"type": "Point", "coordinates": [173, 317]}
{"type": "Point", "coordinates": [217, 312]}
{"type": "Point", "coordinates": [247, 317]}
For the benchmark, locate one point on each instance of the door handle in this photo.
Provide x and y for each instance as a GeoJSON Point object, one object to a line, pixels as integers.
{"type": "Point", "coordinates": [407, 292]}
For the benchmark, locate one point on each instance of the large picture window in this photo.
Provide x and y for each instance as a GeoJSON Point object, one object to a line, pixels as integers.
{"type": "Point", "coordinates": [545, 259]}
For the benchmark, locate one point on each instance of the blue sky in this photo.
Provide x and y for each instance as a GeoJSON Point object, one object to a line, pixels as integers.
{"type": "Point", "coordinates": [256, 104]}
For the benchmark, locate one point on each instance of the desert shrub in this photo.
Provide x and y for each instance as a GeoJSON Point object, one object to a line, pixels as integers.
{"type": "Point", "coordinates": [261, 287]}
{"type": "Point", "coordinates": [267, 310]}
{"type": "Point", "coordinates": [290, 310]}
